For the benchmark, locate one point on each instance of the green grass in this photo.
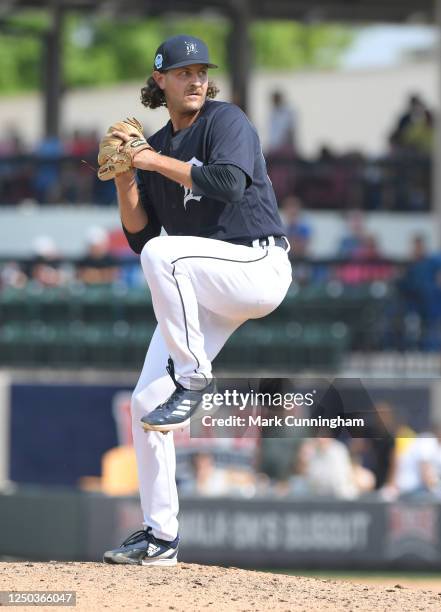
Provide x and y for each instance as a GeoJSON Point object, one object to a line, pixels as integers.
{"type": "Point", "coordinates": [342, 574]}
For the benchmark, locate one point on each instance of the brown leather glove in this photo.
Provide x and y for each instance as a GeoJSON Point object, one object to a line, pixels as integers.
{"type": "Point", "coordinates": [116, 156]}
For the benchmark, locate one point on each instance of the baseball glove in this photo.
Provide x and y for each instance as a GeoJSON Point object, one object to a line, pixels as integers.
{"type": "Point", "coordinates": [116, 156]}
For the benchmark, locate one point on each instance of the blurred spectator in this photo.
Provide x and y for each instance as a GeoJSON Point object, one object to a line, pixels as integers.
{"type": "Point", "coordinates": [418, 136]}
{"type": "Point", "coordinates": [417, 276]}
{"type": "Point", "coordinates": [207, 479]}
{"type": "Point", "coordinates": [278, 448]}
{"type": "Point", "coordinates": [12, 143]}
{"type": "Point", "coordinates": [382, 442]}
{"type": "Point", "coordinates": [15, 185]}
{"type": "Point", "coordinates": [369, 249]}
{"type": "Point", "coordinates": [418, 249]}
{"type": "Point", "coordinates": [82, 143]}
{"type": "Point", "coordinates": [47, 178]}
{"type": "Point", "coordinates": [419, 466]}
{"type": "Point", "coordinates": [282, 125]}
{"type": "Point", "coordinates": [53, 173]}
{"type": "Point", "coordinates": [78, 179]}
{"type": "Point", "coordinates": [376, 451]}
{"type": "Point", "coordinates": [45, 268]}
{"type": "Point", "coordinates": [130, 272]}
{"type": "Point", "coordinates": [364, 479]}
{"type": "Point", "coordinates": [421, 287]}
{"type": "Point", "coordinates": [400, 180]}
{"type": "Point", "coordinates": [12, 275]}
{"type": "Point", "coordinates": [119, 473]}
{"type": "Point", "coordinates": [276, 456]}
{"type": "Point", "coordinates": [281, 147]}
{"type": "Point", "coordinates": [297, 229]}
{"type": "Point", "coordinates": [325, 469]}
{"type": "Point", "coordinates": [331, 181]}
{"type": "Point", "coordinates": [366, 262]}
{"type": "Point", "coordinates": [354, 239]}
{"type": "Point", "coordinates": [414, 106]}
{"type": "Point", "coordinates": [415, 128]}
{"type": "Point", "coordinates": [98, 267]}
{"type": "Point", "coordinates": [371, 266]}
{"type": "Point", "coordinates": [118, 245]}
{"type": "Point", "coordinates": [326, 155]}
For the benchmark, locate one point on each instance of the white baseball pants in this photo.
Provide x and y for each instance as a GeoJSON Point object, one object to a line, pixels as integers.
{"type": "Point", "coordinates": [202, 291]}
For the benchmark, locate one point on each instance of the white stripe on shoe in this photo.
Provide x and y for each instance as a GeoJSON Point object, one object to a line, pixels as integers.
{"type": "Point", "coordinates": [154, 561]}
{"type": "Point", "coordinates": [168, 557]}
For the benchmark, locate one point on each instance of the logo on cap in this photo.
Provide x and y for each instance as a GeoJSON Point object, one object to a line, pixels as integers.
{"type": "Point", "coordinates": [191, 47]}
{"type": "Point", "coordinates": [158, 61]}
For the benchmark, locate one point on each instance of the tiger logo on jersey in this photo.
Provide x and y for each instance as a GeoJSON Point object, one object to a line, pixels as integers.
{"type": "Point", "coordinates": [188, 194]}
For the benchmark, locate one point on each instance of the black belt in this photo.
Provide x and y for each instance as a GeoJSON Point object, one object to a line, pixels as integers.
{"type": "Point", "coordinates": [279, 241]}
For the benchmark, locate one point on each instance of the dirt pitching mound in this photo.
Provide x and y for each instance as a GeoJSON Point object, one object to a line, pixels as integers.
{"type": "Point", "coordinates": [192, 587]}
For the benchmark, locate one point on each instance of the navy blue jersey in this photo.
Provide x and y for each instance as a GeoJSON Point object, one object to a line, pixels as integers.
{"type": "Point", "coordinates": [222, 134]}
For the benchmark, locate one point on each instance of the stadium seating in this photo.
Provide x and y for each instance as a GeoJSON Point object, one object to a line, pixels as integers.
{"type": "Point", "coordinates": [110, 327]}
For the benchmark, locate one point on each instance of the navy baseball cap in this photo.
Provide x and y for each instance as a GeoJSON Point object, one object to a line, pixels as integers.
{"type": "Point", "coordinates": [180, 51]}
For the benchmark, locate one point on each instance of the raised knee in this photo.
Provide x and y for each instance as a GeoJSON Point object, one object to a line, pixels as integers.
{"type": "Point", "coordinates": [154, 252]}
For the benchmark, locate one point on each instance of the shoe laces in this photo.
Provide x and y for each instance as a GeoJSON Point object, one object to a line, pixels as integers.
{"type": "Point", "coordinates": [170, 367]}
{"type": "Point", "coordinates": [172, 401]}
{"type": "Point", "coordinates": [135, 537]}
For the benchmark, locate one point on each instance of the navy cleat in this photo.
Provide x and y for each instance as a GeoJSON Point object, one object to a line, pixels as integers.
{"type": "Point", "coordinates": [142, 548]}
{"type": "Point", "coordinates": [179, 409]}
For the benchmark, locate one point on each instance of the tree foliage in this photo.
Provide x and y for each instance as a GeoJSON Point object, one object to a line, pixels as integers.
{"type": "Point", "coordinates": [98, 50]}
{"type": "Point", "coordinates": [125, 51]}
{"type": "Point", "coordinates": [279, 44]}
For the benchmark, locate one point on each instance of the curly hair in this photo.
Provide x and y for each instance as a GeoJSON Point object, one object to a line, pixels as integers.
{"type": "Point", "coordinates": [152, 96]}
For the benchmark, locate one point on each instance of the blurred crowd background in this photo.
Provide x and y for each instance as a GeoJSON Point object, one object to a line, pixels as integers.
{"type": "Point", "coordinates": [393, 462]}
{"type": "Point", "coordinates": [60, 169]}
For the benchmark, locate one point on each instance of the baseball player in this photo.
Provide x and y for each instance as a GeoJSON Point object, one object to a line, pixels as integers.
{"type": "Point", "coordinates": [223, 260]}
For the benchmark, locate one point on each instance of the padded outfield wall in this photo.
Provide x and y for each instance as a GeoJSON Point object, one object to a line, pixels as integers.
{"type": "Point", "coordinates": [56, 524]}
